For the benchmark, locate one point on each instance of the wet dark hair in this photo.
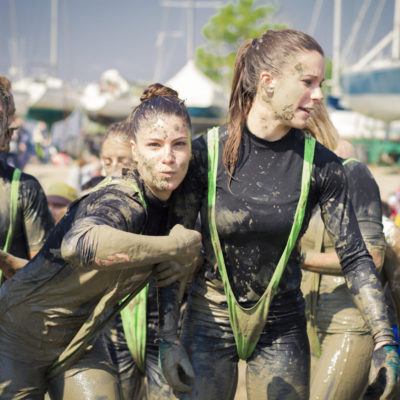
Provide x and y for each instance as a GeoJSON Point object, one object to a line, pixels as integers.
{"type": "Point", "coordinates": [158, 100]}
{"type": "Point", "coordinates": [270, 52]}
{"type": "Point", "coordinates": [6, 100]}
{"type": "Point", "coordinates": [120, 130]}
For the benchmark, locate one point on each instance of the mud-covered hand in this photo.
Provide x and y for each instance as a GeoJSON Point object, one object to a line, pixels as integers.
{"type": "Point", "coordinates": [169, 272]}
{"type": "Point", "coordinates": [175, 365]}
{"type": "Point", "coordinates": [384, 375]}
{"type": "Point", "coordinates": [188, 244]}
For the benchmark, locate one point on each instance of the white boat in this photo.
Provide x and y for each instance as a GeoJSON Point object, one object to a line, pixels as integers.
{"type": "Point", "coordinates": [113, 97]}
{"type": "Point", "coordinates": [372, 87]}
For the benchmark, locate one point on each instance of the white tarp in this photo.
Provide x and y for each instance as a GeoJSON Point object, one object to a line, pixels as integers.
{"type": "Point", "coordinates": [197, 89]}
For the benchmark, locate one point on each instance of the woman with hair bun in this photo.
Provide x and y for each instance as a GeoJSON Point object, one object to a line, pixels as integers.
{"type": "Point", "coordinates": [101, 252]}
{"type": "Point", "coordinates": [255, 182]}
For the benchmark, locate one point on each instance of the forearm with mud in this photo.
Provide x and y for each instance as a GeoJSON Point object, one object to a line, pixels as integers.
{"type": "Point", "coordinates": [366, 289]}
{"type": "Point", "coordinates": [169, 311]}
{"type": "Point", "coordinates": [104, 247]}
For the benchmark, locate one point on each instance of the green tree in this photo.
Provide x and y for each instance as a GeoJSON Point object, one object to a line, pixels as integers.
{"type": "Point", "coordinates": [226, 31]}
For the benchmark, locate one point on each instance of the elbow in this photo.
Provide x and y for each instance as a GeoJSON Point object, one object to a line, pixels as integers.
{"type": "Point", "coordinates": [69, 251]}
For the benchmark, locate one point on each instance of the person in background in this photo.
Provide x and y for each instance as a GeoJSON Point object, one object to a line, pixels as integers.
{"type": "Point", "coordinates": [341, 341]}
{"type": "Point", "coordinates": [25, 217]}
{"type": "Point", "coordinates": [115, 150]}
{"type": "Point", "coordinates": [59, 196]}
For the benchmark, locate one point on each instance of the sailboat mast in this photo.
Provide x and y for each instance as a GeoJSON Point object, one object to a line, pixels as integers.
{"type": "Point", "coordinates": [53, 37]}
{"type": "Point", "coordinates": [396, 32]}
{"type": "Point", "coordinates": [336, 48]}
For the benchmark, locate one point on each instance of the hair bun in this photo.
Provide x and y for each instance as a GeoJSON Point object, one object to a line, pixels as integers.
{"type": "Point", "coordinates": [157, 90]}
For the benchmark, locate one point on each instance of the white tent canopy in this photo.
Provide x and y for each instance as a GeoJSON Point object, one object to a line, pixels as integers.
{"type": "Point", "coordinates": [197, 89]}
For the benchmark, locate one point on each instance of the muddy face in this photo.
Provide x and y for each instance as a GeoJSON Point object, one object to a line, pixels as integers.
{"type": "Point", "coordinates": [115, 155]}
{"type": "Point", "coordinates": [162, 150]}
{"type": "Point", "coordinates": [297, 89]}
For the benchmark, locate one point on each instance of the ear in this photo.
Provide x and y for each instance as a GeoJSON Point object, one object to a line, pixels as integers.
{"type": "Point", "coordinates": [133, 149]}
{"type": "Point", "coordinates": [266, 78]}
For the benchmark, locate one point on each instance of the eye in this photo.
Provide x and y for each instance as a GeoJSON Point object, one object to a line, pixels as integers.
{"type": "Point", "coordinates": [307, 82]}
{"type": "Point", "coordinates": [153, 144]}
{"type": "Point", "coordinates": [181, 144]}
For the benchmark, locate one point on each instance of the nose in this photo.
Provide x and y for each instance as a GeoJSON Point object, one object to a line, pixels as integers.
{"type": "Point", "coordinates": [317, 94]}
{"type": "Point", "coordinates": [168, 155]}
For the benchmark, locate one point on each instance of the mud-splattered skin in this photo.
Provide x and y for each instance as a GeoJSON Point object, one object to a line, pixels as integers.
{"type": "Point", "coordinates": [253, 219]}
{"type": "Point", "coordinates": [64, 293]}
{"type": "Point", "coordinates": [34, 220]}
{"type": "Point", "coordinates": [342, 370]}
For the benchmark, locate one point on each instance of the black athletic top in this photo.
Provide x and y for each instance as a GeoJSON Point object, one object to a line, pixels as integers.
{"type": "Point", "coordinates": [34, 220]}
{"type": "Point", "coordinates": [63, 294]}
{"type": "Point", "coordinates": [254, 214]}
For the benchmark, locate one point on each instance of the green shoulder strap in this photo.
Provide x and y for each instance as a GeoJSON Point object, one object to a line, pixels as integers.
{"type": "Point", "coordinates": [134, 315]}
{"type": "Point", "coordinates": [13, 210]}
{"type": "Point", "coordinates": [133, 320]}
{"type": "Point", "coordinates": [248, 323]}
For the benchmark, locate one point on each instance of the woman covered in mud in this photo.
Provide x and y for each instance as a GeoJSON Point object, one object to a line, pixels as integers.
{"type": "Point", "coordinates": [341, 343]}
{"type": "Point", "coordinates": [102, 251]}
{"type": "Point", "coordinates": [256, 182]}
{"type": "Point", "coordinates": [139, 323]}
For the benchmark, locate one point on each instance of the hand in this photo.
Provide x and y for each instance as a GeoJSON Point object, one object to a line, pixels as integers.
{"type": "Point", "coordinates": [188, 244]}
{"type": "Point", "coordinates": [384, 375]}
{"type": "Point", "coordinates": [175, 365]}
{"type": "Point", "coordinates": [169, 272]}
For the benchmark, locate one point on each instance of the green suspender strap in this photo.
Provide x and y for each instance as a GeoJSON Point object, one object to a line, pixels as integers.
{"type": "Point", "coordinates": [13, 210]}
{"type": "Point", "coordinates": [350, 159]}
{"type": "Point", "coordinates": [134, 322]}
{"type": "Point", "coordinates": [132, 309]}
{"type": "Point", "coordinates": [248, 323]}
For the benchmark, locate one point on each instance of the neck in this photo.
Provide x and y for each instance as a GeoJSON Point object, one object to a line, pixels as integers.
{"type": "Point", "coordinates": [262, 123]}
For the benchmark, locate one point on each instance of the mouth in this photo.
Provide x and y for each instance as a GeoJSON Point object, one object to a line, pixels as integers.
{"type": "Point", "coordinates": [306, 110]}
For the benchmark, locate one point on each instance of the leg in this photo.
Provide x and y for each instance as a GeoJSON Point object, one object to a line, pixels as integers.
{"type": "Point", "coordinates": [92, 377]}
{"type": "Point", "coordinates": [208, 339]}
{"type": "Point", "coordinates": [342, 370]}
{"type": "Point", "coordinates": [21, 380]}
{"type": "Point", "coordinates": [279, 367]}
{"type": "Point", "coordinates": [157, 387]}
{"type": "Point", "coordinates": [131, 380]}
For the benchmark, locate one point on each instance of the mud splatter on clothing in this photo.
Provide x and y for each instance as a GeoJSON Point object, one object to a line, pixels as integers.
{"type": "Point", "coordinates": [34, 220]}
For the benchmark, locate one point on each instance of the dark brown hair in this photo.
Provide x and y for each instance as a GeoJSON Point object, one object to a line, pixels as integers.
{"type": "Point", "coordinates": [271, 52]}
{"type": "Point", "coordinates": [158, 100]}
{"type": "Point", "coordinates": [119, 130]}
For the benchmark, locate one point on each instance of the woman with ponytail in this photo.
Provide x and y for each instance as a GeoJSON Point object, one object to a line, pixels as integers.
{"type": "Point", "coordinates": [255, 182]}
{"type": "Point", "coordinates": [101, 254]}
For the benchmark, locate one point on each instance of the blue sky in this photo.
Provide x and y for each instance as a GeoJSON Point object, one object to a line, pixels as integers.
{"type": "Point", "coordinates": [95, 35]}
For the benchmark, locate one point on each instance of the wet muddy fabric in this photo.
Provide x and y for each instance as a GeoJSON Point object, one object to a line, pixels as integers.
{"type": "Point", "coordinates": [336, 311]}
{"type": "Point", "coordinates": [63, 294]}
{"type": "Point", "coordinates": [247, 323]}
{"type": "Point", "coordinates": [342, 370]}
{"type": "Point", "coordinates": [33, 220]}
{"type": "Point", "coordinates": [254, 215]}
{"type": "Point", "coordinates": [130, 377]}
{"type": "Point", "coordinates": [279, 366]}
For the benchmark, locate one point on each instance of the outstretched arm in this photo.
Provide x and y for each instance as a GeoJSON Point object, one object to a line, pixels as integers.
{"type": "Point", "coordinates": [104, 247]}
